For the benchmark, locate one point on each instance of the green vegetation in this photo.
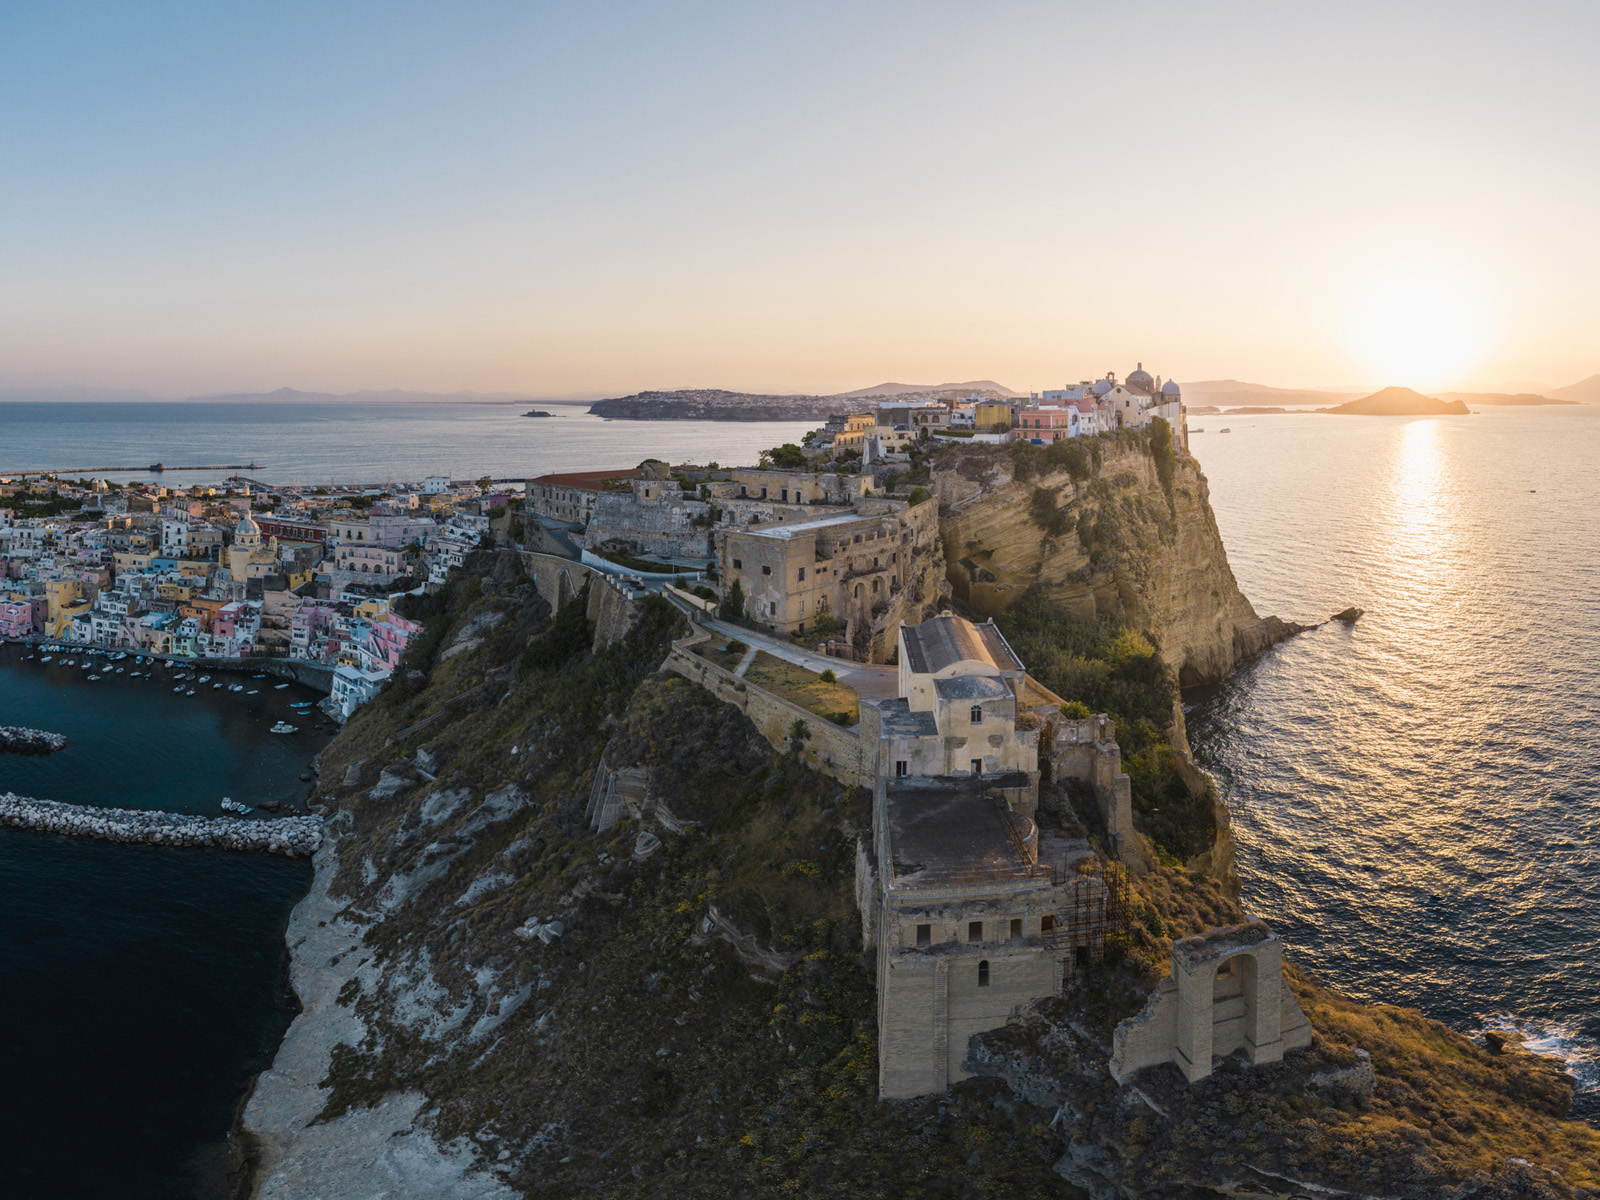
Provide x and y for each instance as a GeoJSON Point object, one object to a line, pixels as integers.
{"type": "Point", "coordinates": [732, 606]}
{"type": "Point", "coordinates": [1079, 457]}
{"type": "Point", "coordinates": [1161, 452]}
{"type": "Point", "coordinates": [787, 457]}
{"type": "Point", "coordinates": [1106, 667]}
{"type": "Point", "coordinates": [1042, 508]}
{"type": "Point", "coordinates": [826, 697]}
{"type": "Point", "coordinates": [918, 496]}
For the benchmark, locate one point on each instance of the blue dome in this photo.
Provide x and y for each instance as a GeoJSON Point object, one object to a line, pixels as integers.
{"type": "Point", "coordinates": [1170, 388]}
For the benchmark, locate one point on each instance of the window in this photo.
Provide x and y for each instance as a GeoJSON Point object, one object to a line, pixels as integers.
{"type": "Point", "coordinates": [772, 608]}
{"type": "Point", "coordinates": [763, 493]}
{"type": "Point", "coordinates": [974, 931]}
{"type": "Point", "coordinates": [901, 768]}
{"type": "Point", "coordinates": [766, 570]}
{"type": "Point", "coordinates": [738, 565]}
{"type": "Point", "coordinates": [977, 766]}
{"type": "Point", "coordinates": [1016, 926]}
{"type": "Point", "coordinates": [977, 714]}
{"type": "Point", "coordinates": [1047, 924]}
{"type": "Point", "coordinates": [924, 935]}
{"type": "Point", "coordinates": [802, 574]}
{"type": "Point", "coordinates": [785, 494]}
{"type": "Point", "coordinates": [983, 973]}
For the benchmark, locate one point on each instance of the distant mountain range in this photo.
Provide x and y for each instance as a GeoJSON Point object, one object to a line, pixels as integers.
{"type": "Point", "coordinates": [987, 387]}
{"type": "Point", "coordinates": [1584, 392]}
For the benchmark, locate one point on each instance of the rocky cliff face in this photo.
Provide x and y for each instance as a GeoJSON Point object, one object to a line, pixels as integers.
{"type": "Point", "coordinates": [1101, 534]}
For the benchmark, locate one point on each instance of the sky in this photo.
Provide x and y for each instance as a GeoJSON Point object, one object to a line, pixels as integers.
{"type": "Point", "coordinates": [598, 198]}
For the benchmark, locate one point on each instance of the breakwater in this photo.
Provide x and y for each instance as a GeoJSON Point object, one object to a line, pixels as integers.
{"type": "Point", "coordinates": [296, 837]}
{"type": "Point", "coordinates": [14, 739]}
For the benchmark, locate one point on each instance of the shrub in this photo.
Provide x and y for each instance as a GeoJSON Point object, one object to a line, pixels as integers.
{"type": "Point", "coordinates": [733, 603]}
{"type": "Point", "coordinates": [918, 495]}
{"type": "Point", "coordinates": [1075, 710]}
{"type": "Point", "coordinates": [828, 676]}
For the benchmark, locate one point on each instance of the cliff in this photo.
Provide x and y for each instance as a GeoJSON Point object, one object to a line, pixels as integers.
{"type": "Point", "coordinates": [1092, 526]}
{"type": "Point", "coordinates": [500, 1001]}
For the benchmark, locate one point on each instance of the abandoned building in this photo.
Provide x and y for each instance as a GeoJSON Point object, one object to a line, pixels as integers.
{"type": "Point", "coordinates": [1226, 994]}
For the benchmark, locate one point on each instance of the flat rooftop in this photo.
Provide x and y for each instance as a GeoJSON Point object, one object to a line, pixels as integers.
{"type": "Point", "coordinates": [947, 832]}
{"type": "Point", "coordinates": [804, 527]}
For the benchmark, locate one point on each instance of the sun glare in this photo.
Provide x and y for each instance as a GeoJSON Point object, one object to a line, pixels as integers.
{"type": "Point", "coordinates": [1418, 329]}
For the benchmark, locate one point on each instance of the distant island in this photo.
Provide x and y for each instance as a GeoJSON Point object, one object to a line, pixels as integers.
{"type": "Point", "coordinates": [1520, 399]}
{"type": "Point", "coordinates": [717, 404]}
{"type": "Point", "coordinates": [1400, 402]}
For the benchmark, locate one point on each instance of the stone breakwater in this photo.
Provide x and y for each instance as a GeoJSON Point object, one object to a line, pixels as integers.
{"type": "Point", "coordinates": [297, 837]}
{"type": "Point", "coordinates": [15, 739]}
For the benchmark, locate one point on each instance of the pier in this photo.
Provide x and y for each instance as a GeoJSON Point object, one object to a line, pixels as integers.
{"type": "Point", "coordinates": [295, 837]}
{"type": "Point", "coordinates": [156, 468]}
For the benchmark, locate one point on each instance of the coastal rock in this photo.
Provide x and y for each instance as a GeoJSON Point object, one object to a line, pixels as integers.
{"type": "Point", "coordinates": [293, 836]}
{"type": "Point", "coordinates": [15, 739]}
{"type": "Point", "coordinates": [1125, 548]}
{"type": "Point", "coordinates": [1349, 616]}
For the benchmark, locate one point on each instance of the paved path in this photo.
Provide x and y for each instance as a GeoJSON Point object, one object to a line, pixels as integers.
{"type": "Point", "coordinates": [870, 680]}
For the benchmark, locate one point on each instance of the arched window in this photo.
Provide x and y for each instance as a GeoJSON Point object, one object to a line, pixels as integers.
{"type": "Point", "coordinates": [977, 714]}
{"type": "Point", "coordinates": [983, 973]}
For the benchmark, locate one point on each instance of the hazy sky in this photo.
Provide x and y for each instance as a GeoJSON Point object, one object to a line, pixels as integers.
{"type": "Point", "coordinates": [604, 197]}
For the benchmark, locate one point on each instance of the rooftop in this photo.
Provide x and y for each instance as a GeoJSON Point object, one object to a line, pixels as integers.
{"type": "Point", "coordinates": [971, 687]}
{"type": "Point", "coordinates": [948, 832]}
{"type": "Point", "coordinates": [804, 527]}
{"type": "Point", "coordinates": [934, 645]}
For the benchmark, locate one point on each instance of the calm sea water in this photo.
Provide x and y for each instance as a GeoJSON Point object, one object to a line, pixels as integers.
{"type": "Point", "coordinates": [143, 985]}
{"type": "Point", "coordinates": [1417, 797]}
{"type": "Point", "coordinates": [360, 443]}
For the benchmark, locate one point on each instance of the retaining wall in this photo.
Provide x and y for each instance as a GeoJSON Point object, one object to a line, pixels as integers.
{"type": "Point", "coordinates": [830, 749]}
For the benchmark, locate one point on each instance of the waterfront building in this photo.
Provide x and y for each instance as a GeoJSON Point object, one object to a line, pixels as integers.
{"type": "Point", "coordinates": [570, 496]}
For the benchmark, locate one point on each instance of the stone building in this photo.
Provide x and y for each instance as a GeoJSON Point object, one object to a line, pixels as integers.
{"type": "Point", "coordinates": [571, 496]}
{"type": "Point", "coordinates": [975, 912]}
{"type": "Point", "coordinates": [1226, 994]}
{"type": "Point", "coordinates": [870, 569]}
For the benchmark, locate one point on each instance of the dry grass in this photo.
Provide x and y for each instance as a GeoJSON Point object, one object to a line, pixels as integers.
{"type": "Point", "coordinates": [799, 686]}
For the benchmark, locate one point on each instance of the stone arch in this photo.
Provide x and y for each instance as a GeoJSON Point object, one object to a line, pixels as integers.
{"type": "Point", "coordinates": [565, 591]}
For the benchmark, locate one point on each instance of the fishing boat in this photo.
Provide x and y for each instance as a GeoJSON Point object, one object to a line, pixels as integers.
{"type": "Point", "coordinates": [258, 677]}
{"type": "Point", "coordinates": [190, 692]}
{"type": "Point", "coordinates": [1224, 431]}
{"type": "Point", "coordinates": [92, 678]}
{"type": "Point", "coordinates": [216, 687]}
{"type": "Point", "coordinates": [205, 679]}
{"type": "Point", "coordinates": [284, 727]}
{"type": "Point", "coordinates": [179, 688]}
{"type": "Point", "coordinates": [46, 658]}
{"type": "Point", "coordinates": [234, 806]}
{"type": "Point", "coordinates": [278, 687]}
{"type": "Point", "coordinates": [253, 692]}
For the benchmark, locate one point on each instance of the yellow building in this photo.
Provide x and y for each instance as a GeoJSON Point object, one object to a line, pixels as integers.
{"type": "Point", "coordinates": [248, 558]}
{"type": "Point", "coordinates": [991, 415]}
{"type": "Point", "coordinates": [64, 599]}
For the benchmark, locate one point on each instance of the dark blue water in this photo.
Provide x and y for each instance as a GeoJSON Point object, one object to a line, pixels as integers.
{"type": "Point", "coordinates": [1417, 797]}
{"type": "Point", "coordinates": [143, 986]}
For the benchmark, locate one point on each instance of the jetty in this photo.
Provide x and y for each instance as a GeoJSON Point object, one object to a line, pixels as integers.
{"type": "Point", "coordinates": [296, 837]}
{"type": "Point", "coordinates": [14, 739]}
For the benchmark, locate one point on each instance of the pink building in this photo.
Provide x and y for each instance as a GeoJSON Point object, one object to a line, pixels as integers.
{"type": "Point", "coordinates": [388, 638]}
{"type": "Point", "coordinates": [225, 623]}
{"type": "Point", "coordinates": [1048, 424]}
{"type": "Point", "coordinates": [16, 618]}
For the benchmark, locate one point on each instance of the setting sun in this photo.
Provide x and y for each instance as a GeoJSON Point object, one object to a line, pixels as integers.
{"type": "Point", "coordinates": [1419, 329]}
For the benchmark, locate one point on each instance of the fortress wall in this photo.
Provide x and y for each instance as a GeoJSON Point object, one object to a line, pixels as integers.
{"type": "Point", "coordinates": [830, 749]}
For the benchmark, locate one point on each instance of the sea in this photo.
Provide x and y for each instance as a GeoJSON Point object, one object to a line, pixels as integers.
{"type": "Point", "coordinates": [1416, 796]}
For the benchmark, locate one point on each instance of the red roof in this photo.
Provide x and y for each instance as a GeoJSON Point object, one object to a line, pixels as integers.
{"type": "Point", "coordinates": [593, 481]}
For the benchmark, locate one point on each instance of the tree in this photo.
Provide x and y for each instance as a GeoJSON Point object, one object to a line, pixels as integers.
{"type": "Point", "coordinates": [787, 457]}
{"type": "Point", "coordinates": [733, 602]}
{"type": "Point", "coordinates": [486, 483]}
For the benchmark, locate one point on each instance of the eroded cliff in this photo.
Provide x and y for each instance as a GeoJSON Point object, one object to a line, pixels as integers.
{"type": "Point", "coordinates": [1093, 526]}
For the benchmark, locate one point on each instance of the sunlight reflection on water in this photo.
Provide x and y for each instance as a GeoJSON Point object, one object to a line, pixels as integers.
{"type": "Point", "coordinates": [1417, 797]}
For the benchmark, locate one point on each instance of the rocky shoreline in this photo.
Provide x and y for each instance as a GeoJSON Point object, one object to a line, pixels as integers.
{"type": "Point", "coordinates": [14, 739]}
{"type": "Point", "coordinates": [296, 837]}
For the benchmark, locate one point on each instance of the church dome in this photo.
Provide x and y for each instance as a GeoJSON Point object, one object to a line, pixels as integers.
{"type": "Point", "coordinates": [247, 528]}
{"type": "Point", "coordinates": [1170, 388]}
{"type": "Point", "coordinates": [1141, 379]}
{"type": "Point", "coordinates": [1102, 386]}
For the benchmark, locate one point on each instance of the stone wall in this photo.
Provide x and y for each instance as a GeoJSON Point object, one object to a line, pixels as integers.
{"type": "Point", "coordinates": [557, 579]}
{"type": "Point", "coordinates": [830, 749]}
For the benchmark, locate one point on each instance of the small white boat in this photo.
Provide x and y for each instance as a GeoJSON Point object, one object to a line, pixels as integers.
{"type": "Point", "coordinates": [216, 687]}
{"type": "Point", "coordinates": [120, 670]}
{"type": "Point", "coordinates": [179, 688]}
{"type": "Point", "coordinates": [284, 727]}
{"type": "Point", "coordinates": [46, 658]}
{"type": "Point", "coordinates": [92, 678]}
{"type": "Point", "coordinates": [234, 806]}
{"type": "Point", "coordinates": [278, 687]}
{"type": "Point", "coordinates": [190, 692]}
{"type": "Point", "coordinates": [258, 677]}
{"type": "Point", "coordinates": [253, 692]}
{"type": "Point", "coordinates": [236, 687]}
{"type": "Point", "coordinates": [205, 679]}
